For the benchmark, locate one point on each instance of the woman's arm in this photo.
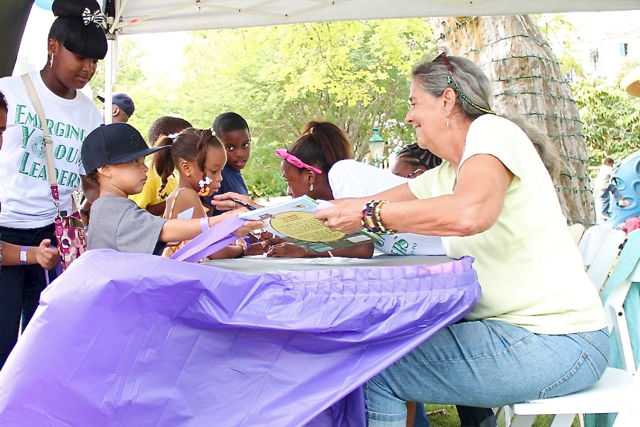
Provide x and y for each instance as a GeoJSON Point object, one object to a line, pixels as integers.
{"type": "Point", "coordinates": [473, 207]}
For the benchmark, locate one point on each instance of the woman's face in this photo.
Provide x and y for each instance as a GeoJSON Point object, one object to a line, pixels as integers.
{"type": "Point", "coordinates": [427, 115]}
{"type": "Point", "coordinates": [3, 124]}
{"type": "Point", "coordinates": [297, 185]}
{"type": "Point", "coordinates": [70, 69]}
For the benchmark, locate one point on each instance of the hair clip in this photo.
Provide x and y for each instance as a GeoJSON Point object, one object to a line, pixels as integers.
{"type": "Point", "coordinates": [172, 135]}
{"type": "Point", "coordinates": [204, 186]}
{"type": "Point", "coordinates": [96, 17]}
{"type": "Point", "coordinates": [205, 182]}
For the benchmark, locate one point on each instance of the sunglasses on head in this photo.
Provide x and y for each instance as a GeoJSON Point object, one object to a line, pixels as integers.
{"type": "Point", "coordinates": [293, 160]}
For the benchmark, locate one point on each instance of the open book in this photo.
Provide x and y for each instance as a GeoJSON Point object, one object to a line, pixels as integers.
{"type": "Point", "coordinates": [293, 221]}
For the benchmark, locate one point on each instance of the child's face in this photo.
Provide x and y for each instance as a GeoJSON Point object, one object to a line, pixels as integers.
{"type": "Point", "coordinates": [216, 159]}
{"type": "Point", "coordinates": [3, 124]}
{"type": "Point", "coordinates": [406, 169]}
{"type": "Point", "coordinates": [238, 146]}
{"type": "Point", "coordinates": [297, 185]}
{"type": "Point", "coordinates": [129, 177]}
{"type": "Point", "coordinates": [71, 70]}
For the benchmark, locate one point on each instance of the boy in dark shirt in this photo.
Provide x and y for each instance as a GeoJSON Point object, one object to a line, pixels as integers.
{"type": "Point", "coordinates": [233, 131]}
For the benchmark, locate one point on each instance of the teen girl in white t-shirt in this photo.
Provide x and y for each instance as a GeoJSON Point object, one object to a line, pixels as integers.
{"type": "Point", "coordinates": [74, 47]}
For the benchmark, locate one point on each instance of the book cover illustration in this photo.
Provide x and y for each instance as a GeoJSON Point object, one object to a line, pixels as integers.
{"type": "Point", "coordinates": [294, 222]}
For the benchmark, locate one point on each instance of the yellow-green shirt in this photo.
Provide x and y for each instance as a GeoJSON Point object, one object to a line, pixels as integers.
{"type": "Point", "coordinates": [529, 268]}
{"type": "Point", "coordinates": [149, 195]}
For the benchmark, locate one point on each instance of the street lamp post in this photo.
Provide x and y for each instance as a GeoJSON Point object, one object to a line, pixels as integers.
{"type": "Point", "coordinates": [376, 147]}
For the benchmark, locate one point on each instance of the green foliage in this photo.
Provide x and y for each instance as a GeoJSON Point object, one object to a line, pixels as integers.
{"type": "Point", "coordinates": [152, 99]}
{"type": "Point", "coordinates": [611, 120]}
{"type": "Point", "coordinates": [557, 31]}
{"type": "Point", "coordinates": [354, 74]}
{"type": "Point", "coordinates": [449, 418]}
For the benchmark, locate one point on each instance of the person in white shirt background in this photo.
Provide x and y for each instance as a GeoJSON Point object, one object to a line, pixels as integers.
{"type": "Point", "coordinates": [604, 188]}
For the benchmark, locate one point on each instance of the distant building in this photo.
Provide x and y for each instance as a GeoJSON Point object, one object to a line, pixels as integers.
{"type": "Point", "coordinates": [603, 52]}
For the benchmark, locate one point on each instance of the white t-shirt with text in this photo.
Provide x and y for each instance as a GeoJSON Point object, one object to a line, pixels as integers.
{"type": "Point", "coordinates": [350, 178]}
{"type": "Point", "coordinates": [25, 193]}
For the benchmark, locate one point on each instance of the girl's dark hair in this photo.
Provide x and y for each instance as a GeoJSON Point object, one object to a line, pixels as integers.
{"type": "Point", "coordinates": [190, 145]}
{"type": "Point", "coordinates": [3, 103]}
{"type": "Point", "coordinates": [88, 41]}
{"type": "Point", "coordinates": [229, 122]}
{"type": "Point", "coordinates": [166, 125]}
{"type": "Point", "coordinates": [417, 156]}
{"type": "Point", "coordinates": [322, 144]}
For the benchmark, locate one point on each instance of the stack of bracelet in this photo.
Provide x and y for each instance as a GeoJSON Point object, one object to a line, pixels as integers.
{"type": "Point", "coordinates": [371, 220]}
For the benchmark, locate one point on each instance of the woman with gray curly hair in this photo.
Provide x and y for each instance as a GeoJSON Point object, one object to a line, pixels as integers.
{"type": "Point", "coordinates": [539, 329]}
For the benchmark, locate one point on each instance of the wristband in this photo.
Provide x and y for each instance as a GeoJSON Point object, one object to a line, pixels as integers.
{"type": "Point", "coordinates": [204, 224]}
{"type": "Point", "coordinates": [23, 255]}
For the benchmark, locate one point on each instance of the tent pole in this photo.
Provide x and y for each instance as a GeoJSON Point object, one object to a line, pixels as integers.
{"type": "Point", "coordinates": [109, 71]}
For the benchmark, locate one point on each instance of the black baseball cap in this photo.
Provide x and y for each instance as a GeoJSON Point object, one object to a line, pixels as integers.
{"type": "Point", "coordinates": [114, 144]}
{"type": "Point", "coordinates": [123, 101]}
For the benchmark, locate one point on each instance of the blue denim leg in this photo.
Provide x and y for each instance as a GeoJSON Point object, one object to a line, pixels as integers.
{"type": "Point", "coordinates": [605, 200]}
{"type": "Point", "coordinates": [486, 364]}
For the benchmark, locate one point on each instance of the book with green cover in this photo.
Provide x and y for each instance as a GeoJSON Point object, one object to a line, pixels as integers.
{"type": "Point", "coordinates": [294, 222]}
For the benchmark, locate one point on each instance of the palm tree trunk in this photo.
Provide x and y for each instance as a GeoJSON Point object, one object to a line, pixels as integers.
{"type": "Point", "coordinates": [528, 82]}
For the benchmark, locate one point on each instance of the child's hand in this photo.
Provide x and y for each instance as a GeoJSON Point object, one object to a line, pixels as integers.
{"type": "Point", "coordinates": [286, 250]}
{"type": "Point", "coordinates": [224, 202]}
{"type": "Point", "coordinates": [47, 256]}
{"type": "Point", "coordinates": [247, 227]}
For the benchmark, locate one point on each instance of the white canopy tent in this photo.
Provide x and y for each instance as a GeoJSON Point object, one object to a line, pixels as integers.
{"type": "Point", "coordinates": [148, 16]}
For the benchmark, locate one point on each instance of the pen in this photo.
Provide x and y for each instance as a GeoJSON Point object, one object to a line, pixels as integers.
{"type": "Point", "coordinates": [245, 204]}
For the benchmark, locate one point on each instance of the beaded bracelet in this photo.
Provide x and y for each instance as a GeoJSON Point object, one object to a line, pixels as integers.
{"type": "Point", "coordinates": [366, 220]}
{"type": "Point", "coordinates": [377, 216]}
{"type": "Point", "coordinates": [371, 219]}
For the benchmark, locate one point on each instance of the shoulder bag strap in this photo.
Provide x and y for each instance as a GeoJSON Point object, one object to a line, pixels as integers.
{"type": "Point", "coordinates": [48, 141]}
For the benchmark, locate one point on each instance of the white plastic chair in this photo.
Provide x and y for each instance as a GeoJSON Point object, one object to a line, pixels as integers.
{"type": "Point", "coordinates": [599, 248]}
{"type": "Point", "coordinates": [576, 231]}
{"type": "Point", "coordinates": [618, 391]}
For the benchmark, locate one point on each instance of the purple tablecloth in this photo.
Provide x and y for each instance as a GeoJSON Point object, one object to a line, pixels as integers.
{"type": "Point", "coordinates": [136, 340]}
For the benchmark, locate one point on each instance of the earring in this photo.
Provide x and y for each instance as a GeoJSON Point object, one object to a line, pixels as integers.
{"type": "Point", "coordinates": [311, 187]}
{"type": "Point", "coordinates": [51, 61]}
{"type": "Point", "coordinates": [447, 122]}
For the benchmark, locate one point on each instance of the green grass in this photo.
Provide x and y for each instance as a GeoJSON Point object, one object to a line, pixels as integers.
{"type": "Point", "coordinates": [450, 418]}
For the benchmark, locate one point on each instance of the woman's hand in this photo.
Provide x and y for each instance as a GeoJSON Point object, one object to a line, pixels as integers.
{"type": "Point", "coordinates": [46, 256]}
{"type": "Point", "coordinates": [225, 202]}
{"type": "Point", "coordinates": [344, 218]}
{"type": "Point", "coordinates": [286, 250]}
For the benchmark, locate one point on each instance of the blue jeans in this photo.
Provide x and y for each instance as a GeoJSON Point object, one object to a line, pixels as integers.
{"type": "Point", "coordinates": [486, 364]}
{"type": "Point", "coordinates": [605, 198]}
